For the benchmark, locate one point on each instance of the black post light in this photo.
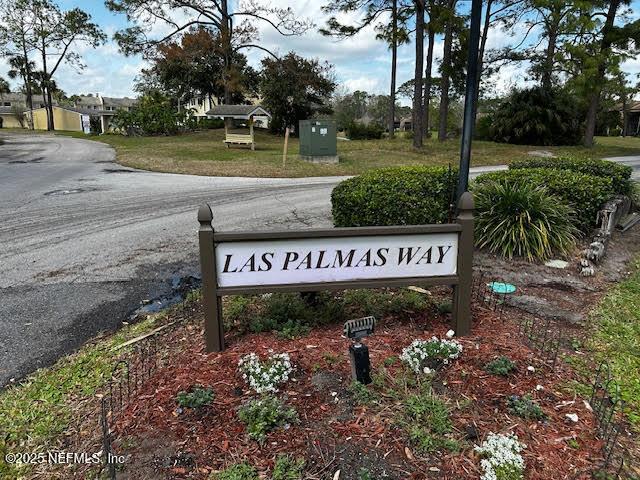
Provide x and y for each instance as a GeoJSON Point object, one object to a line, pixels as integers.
{"type": "Point", "coordinates": [356, 330]}
{"type": "Point", "coordinates": [470, 96]}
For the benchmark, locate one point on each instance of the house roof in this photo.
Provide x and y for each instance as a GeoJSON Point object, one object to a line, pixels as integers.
{"type": "Point", "coordinates": [13, 97]}
{"type": "Point", "coordinates": [81, 111]}
{"type": "Point", "coordinates": [237, 111]}
{"type": "Point", "coordinates": [6, 110]}
{"type": "Point", "coordinates": [119, 102]}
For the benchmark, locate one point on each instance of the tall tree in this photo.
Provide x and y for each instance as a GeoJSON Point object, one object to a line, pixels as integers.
{"type": "Point", "coordinates": [15, 34]}
{"type": "Point", "coordinates": [4, 86]}
{"type": "Point", "coordinates": [394, 33]}
{"type": "Point", "coordinates": [194, 65]}
{"type": "Point", "coordinates": [614, 42]}
{"type": "Point", "coordinates": [445, 68]}
{"type": "Point", "coordinates": [418, 117]}
{"type": "Point", "coordinates": [235, 23]}
{"type": "Point", "coordinates": [56, 33]}
{"type": "Point", "coordinates": [294, 88]}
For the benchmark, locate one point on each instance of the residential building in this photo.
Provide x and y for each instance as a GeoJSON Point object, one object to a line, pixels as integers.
{"type": "Point", "coordinates": [76, 115]}
{"type": "Point", "coordinates": [12, 107]}
{"type": "Point", "coordinates": [633, 118]}
{"type": "Point", "coordinates": [200, 105]}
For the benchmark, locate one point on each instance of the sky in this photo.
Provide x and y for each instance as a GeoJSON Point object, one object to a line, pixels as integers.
{"type": "Point", "coordinates": [361, 62]}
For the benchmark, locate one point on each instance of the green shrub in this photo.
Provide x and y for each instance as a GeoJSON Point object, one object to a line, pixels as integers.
{"type": "Point", "coordinates": [153, 115]}
{"type": "Point", "coordinates": [210, 123]}
{"type": "Point", "coordinates": [522, 219]}
{"type": "Point", "coordinates": [502, 366]}
{"type": "Point", "coordinates": [360, 131]}
{"type": "Point", "coordinates": [537, 116]}
{"type": "Point", "coordinates": [394, 196]}
{"type": "Point", "coordinates": [620, 175]}
{"type": "Point", "coordinates": [196, 397]}
{"type": "Point", "coordinates": [379, 303]}
{"type": "Point", "coordinates": [292, 316]}
{"type": "Point", "coordinates": [287, 468]}
{"type": "Point", "coordinates": [585, 194]}
{"type": "Point", "coordinates": [428, 423]}
{"type": "Point", "coordinates": [239, 471]}
{"type": "Point", "coordinates": [525, 407]}
{"type": "Point", "coordinates": [263, 415]}
{"type": "Point", "coordinates": [361, 394]}
{"type": "Point", "coordinates": [482, 130]}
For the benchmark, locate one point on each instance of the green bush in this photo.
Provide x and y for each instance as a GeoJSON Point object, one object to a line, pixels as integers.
{"type": "Point", "coordinates": [482, 130]}
{"type": "Point", "coordinates": [210, 123]}
{"type": "Point", "coordinates": [292, 316]}
{"type": "Point", "coordinates": [501, 366]}
{"type": "Point", "coordinates": [394, 196]}
{"type": "Point", "coordinates": [287, 468]}
{"type": "Point", "coordinates": [263, 415]}
{"type": "Point", "coordinates": [196, 397]}
{"type": "Point", "coordinates": [522, 219]}
{"type": "Point", "coordinates": [428, 424]}
{"type": "Point", "coordinates": [620, 175]}
{"type": "Point", "coordinates": [153, 115]}
{"type": "Point", "coordinates": [380, 303]}
{"type": "Point", "coordinates": [239, 471]}
{"type": "Point", "coordinates": [361, 131]}
{"type": "Point", "coordinates": [585, 194]}
{"type": "Point", "coordinates": [537, 116]}
{"type": "Point", "coordinates": [525, 407]}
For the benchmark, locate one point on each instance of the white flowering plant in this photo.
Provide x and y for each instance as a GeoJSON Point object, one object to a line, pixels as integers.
{"type": "Point", "coordinates": [501, 457]}
{"type": "Point", "coordinates": [265, 377]}
{"type": "Point", "coordinates": [424, 356]}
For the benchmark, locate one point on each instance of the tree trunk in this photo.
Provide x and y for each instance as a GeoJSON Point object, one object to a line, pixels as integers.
{"type": "Point", "coordinates": [625, 112]}
{"type": "Point", "coordinates": [394, 61]}
{"type": "Point", "coordinates": [418, 127]}
{"type": "Point", "coordinates": [46, 88]}
{"type": "Point", "coordinates": [225, 39]}
{"type": "Point", "coordinates": [594, 101]}
{"type": "Point", "coordinates": [481, 50]}
{"type": "Point", "coordinates": [547, 73]}
{"type": "Point", "coordinates": [27, 81]}
{"type": "Point", "coordinates": [445, 72]}
{"type": "Point", "coordinates": [431, 35]}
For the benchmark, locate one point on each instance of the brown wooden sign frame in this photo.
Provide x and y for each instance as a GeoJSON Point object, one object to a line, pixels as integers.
{"type": "Point", "coordinates": [212, 293]}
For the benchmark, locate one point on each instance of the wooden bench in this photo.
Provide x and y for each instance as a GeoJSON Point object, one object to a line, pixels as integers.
{"type": "Point", "coordinates": [239, 139]}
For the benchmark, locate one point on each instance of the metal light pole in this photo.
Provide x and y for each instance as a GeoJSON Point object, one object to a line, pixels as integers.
{"type": "Point", "coordinates": [470, 96]}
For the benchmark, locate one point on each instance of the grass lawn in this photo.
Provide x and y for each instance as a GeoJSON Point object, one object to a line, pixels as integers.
{"type": "Point", "coordinates": [616, 338]}
{"type": "Point", "coordinates": [203, 153]}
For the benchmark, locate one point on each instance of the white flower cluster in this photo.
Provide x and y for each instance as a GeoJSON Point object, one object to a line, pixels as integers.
{"type": "Point", "coordinates": [424, 351]}
{"type": "Point", "coordinates": [264, 377]}
{"type": "Point", "coordinates": [501, 453]}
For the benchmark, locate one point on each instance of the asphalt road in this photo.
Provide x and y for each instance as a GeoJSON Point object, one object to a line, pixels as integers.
{"type": "Point", "coordinates": [83, 240]}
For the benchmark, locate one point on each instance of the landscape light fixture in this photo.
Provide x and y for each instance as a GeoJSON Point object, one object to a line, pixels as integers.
{"type": "Point", "coordinates": [356, 330]}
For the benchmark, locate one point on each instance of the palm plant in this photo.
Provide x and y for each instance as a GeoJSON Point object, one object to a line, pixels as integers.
{"type": "Point", "coordinates": [518, 219]}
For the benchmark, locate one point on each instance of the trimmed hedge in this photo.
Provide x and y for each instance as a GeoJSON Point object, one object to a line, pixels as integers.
{"type": "Point", "coordinates": [620, 175]}
{"type": "Point", "coordinates": [394, 196]}
{"type": "Point", "coordinates": [361, 131]}
{"type": "Point", "coordinates": [585, 194]}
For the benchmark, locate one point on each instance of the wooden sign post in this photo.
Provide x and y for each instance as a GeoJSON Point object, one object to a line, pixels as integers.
{"type": "Point", "coordinates": [236, 263]}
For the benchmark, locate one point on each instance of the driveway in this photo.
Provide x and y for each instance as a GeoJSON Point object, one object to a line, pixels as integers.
{"type": "Point", "coordinates": [84, 240]}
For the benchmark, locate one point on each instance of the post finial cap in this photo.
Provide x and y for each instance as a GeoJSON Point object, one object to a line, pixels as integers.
{"type": "Point", "coordinates": [466, 201]}
{"type": "Point", "coordinates": [205, 215]}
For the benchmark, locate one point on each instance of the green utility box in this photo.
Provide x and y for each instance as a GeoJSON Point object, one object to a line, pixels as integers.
{"type": "Point", "coordinates": [318, 141]}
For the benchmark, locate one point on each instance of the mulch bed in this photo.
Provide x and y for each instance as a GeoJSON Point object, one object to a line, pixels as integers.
{"type": "Point", "coordinates": [333, 433]}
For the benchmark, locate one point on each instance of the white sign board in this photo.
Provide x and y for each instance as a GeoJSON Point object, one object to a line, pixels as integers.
{"type": "Point", "coordinates": [86, 123]}
{"type": "Point", "coordinates": [335, 259]}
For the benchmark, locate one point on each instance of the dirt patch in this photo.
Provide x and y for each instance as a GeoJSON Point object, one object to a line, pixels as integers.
{"type": "Point", "coordinates": [562, 294]}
